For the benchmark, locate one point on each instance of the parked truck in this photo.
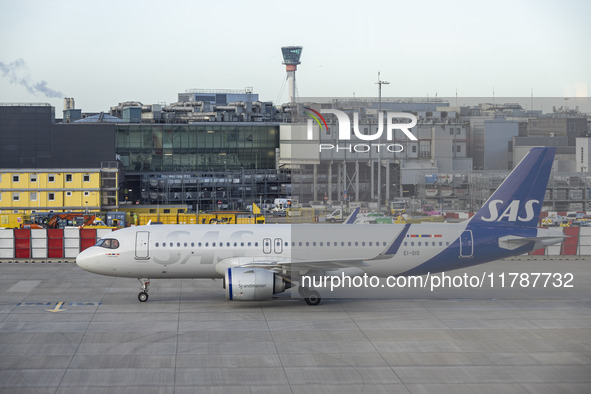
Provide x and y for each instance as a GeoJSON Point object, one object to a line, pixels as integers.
{"type": "Point", "coordinates": [337, 215]}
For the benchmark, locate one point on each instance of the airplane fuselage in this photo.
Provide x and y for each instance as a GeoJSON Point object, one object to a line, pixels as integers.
{"type": "Point", "coordinates": [195, 251]}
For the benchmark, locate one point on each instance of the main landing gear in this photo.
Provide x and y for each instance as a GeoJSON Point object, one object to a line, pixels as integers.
{"type": "Point", "coordinates": [143, 295]}
{"type": "Point", "coordinates": [312, 297]}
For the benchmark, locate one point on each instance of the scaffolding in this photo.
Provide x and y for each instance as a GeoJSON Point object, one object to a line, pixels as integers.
{"type": "Point", "coordinates": [470, 190]}
{"type": "Point", "coordinates": [213, 190]}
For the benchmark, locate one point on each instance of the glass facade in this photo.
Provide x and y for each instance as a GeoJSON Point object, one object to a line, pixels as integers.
{"type": "Point", "coordinates": [197, 147]}
{"type": "Point", "coordinates": [291, 55]}
{"type": "Point", "coordinates": [212, 190]}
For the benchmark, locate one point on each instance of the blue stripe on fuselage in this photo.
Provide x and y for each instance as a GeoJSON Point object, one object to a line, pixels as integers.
{"type": "Point", "coordinates": [486, 248]}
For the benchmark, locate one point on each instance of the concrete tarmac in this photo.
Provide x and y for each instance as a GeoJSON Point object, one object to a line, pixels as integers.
{"type": "Point", "coordinates": [63, 330]}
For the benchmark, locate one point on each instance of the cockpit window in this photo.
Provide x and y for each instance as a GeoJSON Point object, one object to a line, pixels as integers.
{"type": "Point", "coordinates": [108, 243]}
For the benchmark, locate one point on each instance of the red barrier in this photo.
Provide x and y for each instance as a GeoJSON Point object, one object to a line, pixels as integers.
{"type": "Point", "coordinates": [538, 252]}
{"type": "Point", "coordinates": [88, 233]}
{"type": "Point", "coordinates": [571, 244]}
{"type": "Point", "coordinates": [55, 243]}
{"type": "Point", "coordinates": [87, 238]}
{"type": "Point", "coordinates": [22, 233]}
{"type": "Point", "coordinates": [22, 243]}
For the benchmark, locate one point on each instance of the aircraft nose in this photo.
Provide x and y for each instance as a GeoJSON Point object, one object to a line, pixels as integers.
{"type": "Point", "coordinates": [83, 259]}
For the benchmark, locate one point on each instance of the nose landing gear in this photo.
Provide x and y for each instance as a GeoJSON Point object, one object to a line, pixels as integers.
{"type": "Point", "coordinates": [143, 295]}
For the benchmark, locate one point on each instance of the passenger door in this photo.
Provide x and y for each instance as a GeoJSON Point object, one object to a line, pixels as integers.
{"type": "Point", "coordinates": [466, 244]}
{"type": "Point", "coordinates": [142, 240]}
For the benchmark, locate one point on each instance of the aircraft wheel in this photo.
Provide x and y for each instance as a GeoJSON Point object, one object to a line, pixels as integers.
{"type": "Point", "coordinates": [143, 296]}
{"type": "Point", "coordinates": [313, 298]}
{"type": "Point", "coordinates": [303, 291]}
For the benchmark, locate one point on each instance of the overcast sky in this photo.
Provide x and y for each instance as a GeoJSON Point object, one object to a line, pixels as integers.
{"type": "Point", "coordinates": [105, 52]}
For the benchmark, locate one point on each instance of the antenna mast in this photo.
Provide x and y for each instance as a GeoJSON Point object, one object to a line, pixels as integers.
{"type": "Point", "coordinates": [380, 83]}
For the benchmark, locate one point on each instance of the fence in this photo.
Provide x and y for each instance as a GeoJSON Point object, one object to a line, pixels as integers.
{"type": "Point", "coordinates": [47, 244]}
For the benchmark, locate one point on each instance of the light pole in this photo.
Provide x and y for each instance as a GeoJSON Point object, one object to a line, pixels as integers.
{"type": "Point", "coordinates": [380, 83]}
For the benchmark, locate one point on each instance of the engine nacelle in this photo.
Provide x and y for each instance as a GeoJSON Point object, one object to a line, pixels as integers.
{"type": "Point", "coordinates": [253, 284]}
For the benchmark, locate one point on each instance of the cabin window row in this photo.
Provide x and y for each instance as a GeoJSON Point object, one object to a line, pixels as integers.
{"type": "Point", "coordinates": [208, 244]}
{"type": "Point", "coordinates": [256, 244]}
{"type": "Point", "coordinates": [350, 243]}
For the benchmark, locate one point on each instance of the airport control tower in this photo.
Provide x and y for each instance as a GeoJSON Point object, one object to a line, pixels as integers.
{"type": "Point", "coordinates": [291, 59]}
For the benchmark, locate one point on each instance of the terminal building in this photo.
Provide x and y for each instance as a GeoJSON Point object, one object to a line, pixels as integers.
{"type": "Point", "coordinates": [199, 105]}
{"type": "Point", "coordinates": [204, 165]}
{"type": "Point", "coordinates": [209, 152]}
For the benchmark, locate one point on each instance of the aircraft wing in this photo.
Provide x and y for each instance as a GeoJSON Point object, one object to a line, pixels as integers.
{"type": "Point", "coordinates": [280, 263]}
{"type": "Point", "coordinates": [285, 264]}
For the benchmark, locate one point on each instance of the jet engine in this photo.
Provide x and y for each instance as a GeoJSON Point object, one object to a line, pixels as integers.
{"type": "Point", "coordinates": [253, 284]}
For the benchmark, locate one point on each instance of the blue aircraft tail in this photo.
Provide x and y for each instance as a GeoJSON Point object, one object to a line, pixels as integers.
{"type": "Point", "coordinates": [518, 201]}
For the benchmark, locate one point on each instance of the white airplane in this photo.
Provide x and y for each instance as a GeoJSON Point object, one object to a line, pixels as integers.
{"type": "Point", "coordinates": [259, 260]}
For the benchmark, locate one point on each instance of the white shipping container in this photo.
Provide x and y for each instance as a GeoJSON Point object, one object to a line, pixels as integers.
{"type": "Point", "coordinates": [585, 240]}
{"type": "Point", "coordinates": [71, 233]}
{"type": "Point", "coordinates": [101, 232]}
{"type": "Point", "coordinates": [38, 233]}
{"type": "Point", "coordinates": [585, 250]}
{"type": "Point", "coordinates": [576, 206]}
{"type": "Point", "coordinates": [585, 231]}
{"type": "Point", "coordinates": [39, 253]}
{"type": "Point", "coordinates": [39, 243]}
{"type": "Point", "coordinates": [575, 194]}
{"type": "Point", "coordinates": [6, 233]}
{"type": "Point", "coordinates": [71, 252]}
{"type": "Point", "coordinates": [6, 243]}
{"type": "Point", "coordinates": [6, 253]}
{"type": "Point", "coordinates": [553, 250]}
{"type": "Point", "coordinates": [72, 243]}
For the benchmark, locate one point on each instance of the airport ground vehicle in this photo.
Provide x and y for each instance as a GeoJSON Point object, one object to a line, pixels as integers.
{"type": "Point", "coordinates": [39, 220]}
{"type": "Point", "coordinates": [122, 219]}
{"type": "Point", "coordinates": [13, 220]}
{"type": "Point", "coordinates": [65, 219]}
{"type": "Point", "coordinates": [336, 215]}
{"type": "Point", "coordinates": [429, 210]}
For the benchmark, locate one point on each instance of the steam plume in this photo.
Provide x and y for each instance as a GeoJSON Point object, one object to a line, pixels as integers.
{"type": "Point", "coordinates": [17, 74]}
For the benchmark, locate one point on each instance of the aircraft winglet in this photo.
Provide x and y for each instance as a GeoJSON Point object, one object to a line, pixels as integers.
{"type": "Point", "coordinates": [352, 216]}
{"type": "Point", "coordinates": [395, 245]}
